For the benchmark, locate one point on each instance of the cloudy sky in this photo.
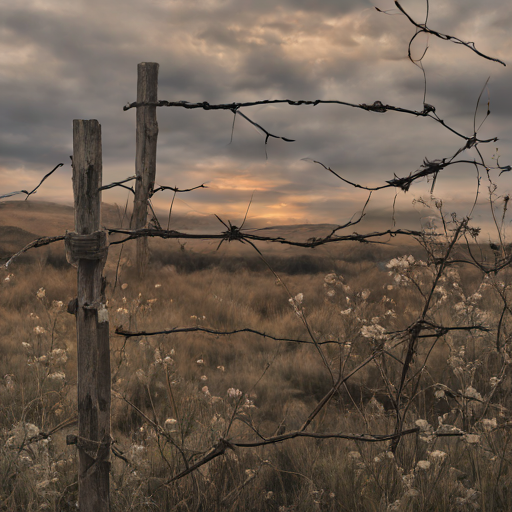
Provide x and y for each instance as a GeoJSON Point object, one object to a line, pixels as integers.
{"type": "Point", "coordinates": [63, 60]}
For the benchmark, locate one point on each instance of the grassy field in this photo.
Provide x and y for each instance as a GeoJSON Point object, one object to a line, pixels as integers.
{"type": "Point", "coordinates": [176, 395]}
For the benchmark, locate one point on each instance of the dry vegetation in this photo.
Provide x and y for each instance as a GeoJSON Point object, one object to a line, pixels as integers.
{"type": "Point", "coordinates": [176, 395]}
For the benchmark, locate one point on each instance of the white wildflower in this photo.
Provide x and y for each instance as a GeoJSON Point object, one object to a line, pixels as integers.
{"type": "Point", "coordinates": [472, 438]}
{"type": "Point", "coordinates": [423, 465]}
{"type": "Point", "coordinates": [426, 431]}
{"type": "Point", "coordinates": [297, 300]}
{"type": "Point", "coordinates": [346, 311]}
{"type": "Point", "coordinates": [57, 305]}
{"type": "Point", "coordinates": [423, 425]}
{"type": "Point", "coordinates": [494, 381]}
{"type": "Point", "coordinates": [39, 330]}
{"type": "Point", "coordinates": [471, 392]}
{"type": "Point", "coordinates": [57, 376]}
{"type": "Point", "coordinates": [20, 434]}
{"type": "Point", "coordinates": [58, 356]}
{"type": "Point", "coordinates": [365, 294]}
{"type": "Point", "coordinates": [204, 378]}
{"type": "Point", "coordinates": [221, 368]}
{"type": "Point", "coordinates": [234, 393]}
{"type": "Point", "coordinates": [124, 286]}
{"type": "Point", "coordinates": [41, 293]}
{"type": "Point", "coordinates": [437, 455]}
{"type": "Point", "coordinates": [330, 278]}
{"type": "Point", "coordinates": [331, 293]}
{"type": "Point", "coordinates": [374, 331]}
{"type": "Point", "coordinates": [158, 285]}
{"type": "Point", "coordinates": [489, 424]}
{"type": "Point", "coordinates": [200, 362]}
{"type": "Point", "coordinates": [169, 424]}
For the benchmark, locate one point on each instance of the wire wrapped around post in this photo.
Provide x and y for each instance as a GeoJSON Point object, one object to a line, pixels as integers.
{"type": "Point", "coordinates": [89, 247]}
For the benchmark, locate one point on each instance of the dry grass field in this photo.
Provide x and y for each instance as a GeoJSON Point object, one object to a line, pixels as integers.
{"type": "Point", "coordinates": [174, 396]}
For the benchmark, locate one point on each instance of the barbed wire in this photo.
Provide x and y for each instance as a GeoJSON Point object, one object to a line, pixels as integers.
{"type": "Point", "coordinates": [10, 194]}
{"type": "Point", "coordinates": [376, 106]}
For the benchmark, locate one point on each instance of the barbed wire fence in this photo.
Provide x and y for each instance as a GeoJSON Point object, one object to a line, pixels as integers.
{"type": "Point", "coordinates": [87, 248]}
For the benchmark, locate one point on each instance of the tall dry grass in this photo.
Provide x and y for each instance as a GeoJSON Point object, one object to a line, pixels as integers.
{"type": "Point", "coordinates": [176, 395]}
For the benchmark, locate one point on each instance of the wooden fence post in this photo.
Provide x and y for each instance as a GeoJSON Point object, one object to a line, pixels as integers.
{"type": "Point", "coordinates": [145, 155]}
{"type": "Point", "coordinates": [87, 247]}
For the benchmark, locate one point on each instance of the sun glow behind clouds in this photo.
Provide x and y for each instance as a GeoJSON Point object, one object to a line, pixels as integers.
{"type": "Point", "coordinates": [245, 183]}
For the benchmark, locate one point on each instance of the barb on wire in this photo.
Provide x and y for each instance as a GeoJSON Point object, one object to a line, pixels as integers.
{"type": "Point", "coordinates": [10, 194]}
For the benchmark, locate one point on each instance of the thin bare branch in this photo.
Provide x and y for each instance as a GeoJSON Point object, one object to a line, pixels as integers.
{"type": "Point", "coordinates": [10, 194]}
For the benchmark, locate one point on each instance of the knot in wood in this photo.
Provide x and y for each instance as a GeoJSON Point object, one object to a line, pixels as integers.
{"type": "Point", "coordinates": [89, 247]}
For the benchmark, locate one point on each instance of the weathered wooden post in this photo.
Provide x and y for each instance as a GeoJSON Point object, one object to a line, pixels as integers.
{"type": "Point", "coordinates": [87, 248]}
{"type": "Point", "coordinates": [145, 154]}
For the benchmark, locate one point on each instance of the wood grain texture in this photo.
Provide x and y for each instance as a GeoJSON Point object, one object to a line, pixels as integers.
{"type": "Point", "coordinates": [93, 351]}
{"type": "Point", "coordinates": [145, 154]}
